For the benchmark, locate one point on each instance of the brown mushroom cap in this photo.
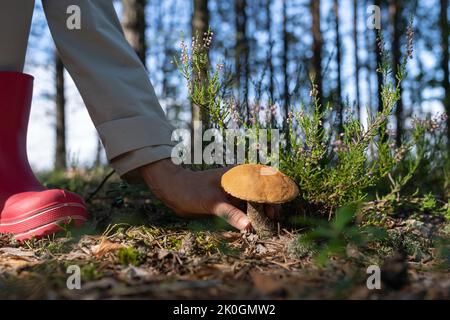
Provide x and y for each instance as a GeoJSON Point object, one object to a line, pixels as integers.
{"type": "Point", "coordinates": [259, 183]}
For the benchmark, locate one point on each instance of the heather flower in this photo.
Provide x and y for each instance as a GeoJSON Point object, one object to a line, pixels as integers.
{"type": "Point", "coordinates": [314, 90]}
{"type": "Point", "coordinates": [234, 112]}
{"type": "Point", "coordinates": [400, 154]}
{"type": "Point", "coordinates": [290, 117]}
{"type": "Point", "coordinates": [207, 39]}
{"type": "Point", "coordinates": [184, 53]}
{"type": "Point", "coordinates": [273, 109]}
{"type": "Point", "coordinates": [390, 132]}
{"type": "Point", "coordinates": [339, 146]}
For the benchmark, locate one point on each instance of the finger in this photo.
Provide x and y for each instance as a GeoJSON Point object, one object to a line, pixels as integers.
{"type": "Point", "coordinates": [232, 215]}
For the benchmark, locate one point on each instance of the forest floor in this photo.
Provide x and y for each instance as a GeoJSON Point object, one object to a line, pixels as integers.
{"type": "Point", "coordinates": [133, 247]}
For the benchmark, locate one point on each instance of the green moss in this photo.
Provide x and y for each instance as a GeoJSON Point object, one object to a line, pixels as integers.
{"type": "Point", "coordinates": [90, 272]}
{"type": "Point", "coordinates": [130, 255]}
{"type": "Point", "coordinates": [206, 242]}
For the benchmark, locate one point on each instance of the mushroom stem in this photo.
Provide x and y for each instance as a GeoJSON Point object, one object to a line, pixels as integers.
{"type": "Point", "coordinates": [263, 226]}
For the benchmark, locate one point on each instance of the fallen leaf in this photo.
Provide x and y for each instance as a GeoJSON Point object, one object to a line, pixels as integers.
{"type": "Point", "coordinates": [105, 247]}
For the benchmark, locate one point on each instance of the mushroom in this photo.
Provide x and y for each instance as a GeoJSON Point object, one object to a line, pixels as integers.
{"type": "Point", "coordinates": [258, 185]}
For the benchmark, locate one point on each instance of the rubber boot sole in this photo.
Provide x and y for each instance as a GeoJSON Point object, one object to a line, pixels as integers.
{"type": "Point", "coordinates": [46, 221]}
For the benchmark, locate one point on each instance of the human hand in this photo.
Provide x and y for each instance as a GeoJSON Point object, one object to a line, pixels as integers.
{"type": "Point", "coordinates": [197, 193]}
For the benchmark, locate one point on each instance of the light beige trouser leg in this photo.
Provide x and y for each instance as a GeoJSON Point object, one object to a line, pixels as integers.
{"type": "Point", "coordinates": [15, 21]}
{"type": "Point", "coordinates": [113, 84]}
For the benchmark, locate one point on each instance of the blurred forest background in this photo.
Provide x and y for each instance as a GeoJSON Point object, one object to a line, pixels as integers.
{"type": "Point", "coordinates": [270, 47]}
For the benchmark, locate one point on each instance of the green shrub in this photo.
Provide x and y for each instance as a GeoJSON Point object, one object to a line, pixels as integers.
{"type": "Point", "coordinates": [332, 166]}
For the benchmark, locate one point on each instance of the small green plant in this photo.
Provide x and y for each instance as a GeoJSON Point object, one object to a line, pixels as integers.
{"type": "Point", "coordinates": [447, 211]}
{"type": "Point", "coordinates": [172, 243]}
{"type": "Point", "coordinates": [327, 239]}
{"type": "Point", "coordinates": [428, 203]}
{"type": "Point", "coordinates": [90, 272]}
{"type": "Point", "coordinates": [130, 256]}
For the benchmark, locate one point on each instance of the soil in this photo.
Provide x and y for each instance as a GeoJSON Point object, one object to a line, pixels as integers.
{"type": "Point", "coordinates": [133, 247]}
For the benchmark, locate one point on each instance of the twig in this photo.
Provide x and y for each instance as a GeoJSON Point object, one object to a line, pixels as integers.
{"type": "Point", "coordinates": [102, 183]}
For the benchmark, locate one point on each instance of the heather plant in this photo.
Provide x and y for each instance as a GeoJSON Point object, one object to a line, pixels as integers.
{"type": "Point", "coordinates": [332, 166]}
{"type": "Point", "coordinates": [206, 85]}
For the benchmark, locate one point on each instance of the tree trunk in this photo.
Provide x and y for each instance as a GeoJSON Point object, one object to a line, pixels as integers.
{"type": "Point", "coordinates": [170, 20]}
{"type": "Point", "coordinates": [134, 26]}
{"type": "Point", "coordinates": [356, 57]}
{"type": "Point", "coordinates": [200, 26]}
{"type": "Point", "coordinates": [316, 66]}
{"type": "Point", "coordinates": [340, 109]}
{"type": "Point", "coordinates": [60, 100]}
{"type": "Point", "coordinates": [379, 62]}
{"type": "Point", "coordinates": [242, 55]}
{"type": "Point", "coordinates": [443, 22]}
{"type": "Point", "coordinates": [285, 62]}
{"type": "Point", "coordinates": [98, 153]}
{"type": "Point", "coordinates": [270, 50]}
{"type": "Point", "coordinates": [395, 17]}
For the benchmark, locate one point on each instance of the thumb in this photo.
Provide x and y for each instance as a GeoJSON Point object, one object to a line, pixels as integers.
{"type": "Point", "coordinates": [232, 215]}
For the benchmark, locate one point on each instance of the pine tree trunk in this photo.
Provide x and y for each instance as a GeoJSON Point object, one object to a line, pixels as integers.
{"type": "Point", "coordinates": [242, 55]}
{"type": "Point", "coordinates": [368, 65]}
{"type": "Point", "coordinates": [134, 25]}
{"type": "Point", "coordinates": [270, 50]}
{"type": "Point", "coordinates": [356, 57]}
{"type": "Point", "coordinates": [167, 68]}
{"type": "Point", "coordinates": [443, 21]}
{"type": "Point", "coordinates": [285, 62]}
{"type": "Point", "coordinates": [339, 107]}
{"type": "Point", "coordinates": [395, 17]}
{"type": "Point", "coordinates": [200, 26]}
{"type": "Point", "coordinates": [316, 66]}
{"type": "Point", "coordinates": [378, 61]}
{"type": "Point", "coordinates": [60, 101]}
